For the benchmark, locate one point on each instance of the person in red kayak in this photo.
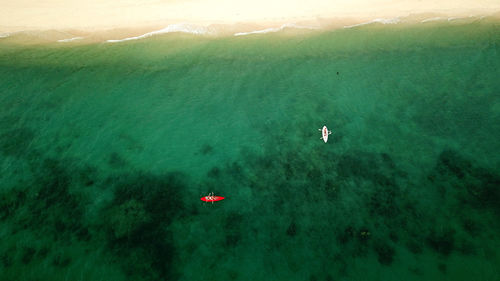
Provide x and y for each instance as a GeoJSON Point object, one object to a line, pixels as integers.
{"type": "Point", "coordinates": [210, 197]}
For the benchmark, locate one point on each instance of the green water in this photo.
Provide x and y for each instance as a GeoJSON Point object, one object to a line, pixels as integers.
{"type": "Point", "coordinates": [106, 149]}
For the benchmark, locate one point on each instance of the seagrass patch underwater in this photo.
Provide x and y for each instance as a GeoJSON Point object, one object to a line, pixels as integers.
{"type": "Point", "coordinates": [106, 149]}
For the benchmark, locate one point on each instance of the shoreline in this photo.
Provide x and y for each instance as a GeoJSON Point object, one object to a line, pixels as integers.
{"type": "Point", "coordinates": [122, 34]}
{"type": "Point", "coordinates": [110, 14]}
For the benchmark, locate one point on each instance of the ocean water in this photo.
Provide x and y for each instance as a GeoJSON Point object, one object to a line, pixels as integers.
{"type": "Point", "coordinates": [106, 149]}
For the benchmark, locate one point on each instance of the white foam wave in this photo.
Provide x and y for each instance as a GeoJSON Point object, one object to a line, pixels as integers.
{"type": "Point", "coordinates": [275, 29]}
{"type": "Point", "coordinates": [4, 35]}
{"type": "Point", "coordinates": [70, 39]}
{"type": "Point", "coordinates": [181, 27]}
{"type": "Point", "coordinates": [432, 19]}
{"type": "Point", "coordinates": [460, 18]}
{"type": "Point", "coordinates": [382, 21]}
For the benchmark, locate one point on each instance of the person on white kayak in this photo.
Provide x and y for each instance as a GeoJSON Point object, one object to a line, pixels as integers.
{"type": "Point", "coordinates": [325, 133]}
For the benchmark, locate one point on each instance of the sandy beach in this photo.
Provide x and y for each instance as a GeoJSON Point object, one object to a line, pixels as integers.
{"type": "Point", "coordinates": [96, 15]}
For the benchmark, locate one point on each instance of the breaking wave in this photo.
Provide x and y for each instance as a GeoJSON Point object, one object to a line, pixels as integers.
{"type": "Point", "coordinates": [181, 27]}
{"type": "Point", "coordinates": [382, 21]}
{"type": "Point", "coordinates": [275, 29]}
{"type": "Point", "coordinates": [70, 39]}
{"type": "Point", "coordinates": [432, 19]}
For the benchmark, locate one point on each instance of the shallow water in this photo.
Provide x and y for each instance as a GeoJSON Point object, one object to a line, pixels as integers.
{"type": "Point", "coordinates": [107, 148]}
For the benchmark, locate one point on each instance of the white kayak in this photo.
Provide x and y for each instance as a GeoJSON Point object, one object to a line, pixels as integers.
{"type": "Point", "coordinates": [325, 133]}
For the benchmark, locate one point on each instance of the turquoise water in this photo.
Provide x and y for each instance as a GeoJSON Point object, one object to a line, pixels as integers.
{"type": "Point", "coordinates": [106, 150]}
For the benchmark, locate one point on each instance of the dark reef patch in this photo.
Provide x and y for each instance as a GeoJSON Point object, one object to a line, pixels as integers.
{"type": "Point", "coordinates": [232, 239]}
{"type": "Point", "coordinates": [232, 229]}
{"type": "Point", "coordinates": [331, 189]}
{"type": "Point", "coordinates": [116, 161]}
{"type": "Point", "coordinates": [442, 267]}
{"type": "Point", "coordinates": [55, 209]}
{"type": "Point", "coordinates": [232, 274]}
{"type": "Point", "coordinates": [155, 192]}
{"type": "Point", "coordinates": [442, 241]}
{"type": "Point", "coordinates": [471, 226]}
{"type": "Point", "coordinates": [61, 260]}
{"type": "Point", "coordinates": [236, 172]}
{"type": "Point", "coordinates": [16, 142]}
{"type": "Point", "coordinates": [206, 149]}
{"type": "Point", "coordinates": [414, 246]}
{"type": "Point", "coordinates": [482, 185]}
{"type": "Point", "coordinates": [83, 234]}
{"type": "Point", "coordinates": [485, 188]}
{"type": "Point", "coordinates": [394, 237]}
{"type": "Point", "coordinates": [378, 168]}
{"type": "Point", "coordinates": [27, 254]}
{"type": "Point", "coordinates": [127, 218]}
{"type": "Point", "coordinates": [345, 236]}
{"type": "Point", "coordinates": [452, 163]}
{"type": "Point", "coordinates": [465, 247]}
{"type": "Point", "coordinates": [385, 252]}
{"type": "Point", "coordinates": [6, 259]}
{"type": "Point", "coordinates": [383, 201]}
{"type": "Point", "coordinates": [137, 222]}
{"type": "Point", "coordinates": [355, 241]}
{"type": "Point", "coordinates": [356, 166]}
{"type": "Point", "coordinates": [87, 175]}
{"type": "Point", "coordinates": [214, 173]}
{"type": "Point", "coordinates": [382, 173]}
{"type": "Point", "coordinates": [43, 252]}
{"type": "Point", "coordinates": [53, 180]}
{"type": "Point", "coordinates": [10, 201]}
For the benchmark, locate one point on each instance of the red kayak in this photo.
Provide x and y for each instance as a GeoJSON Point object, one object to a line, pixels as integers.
{"type": "Point", "coordinates": [212, 198]}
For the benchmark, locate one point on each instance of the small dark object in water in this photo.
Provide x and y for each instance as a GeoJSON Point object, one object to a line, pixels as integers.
{"type": "Point", "coordinates": [345, 237]}
{"type": "Point", "coordinates": [385, 253]}
{"type": "Point", "coordinates": [6, 260]}
{"type": "Point", "coordinates": [42, 253]}
{"type": "Point", "coordinates": [364, 234]}
{"type": "Point", "coordinates": [337, 73]}
{"type": "Point", "coordinates": [442, 242]}
{"type": "Point", "coordinates": [414, 247]}
{"type": "Point", "coordinates": [61, 261]}
{"type": "Point", "coordinates": [206, 149]}
{"type": "Point", "coordinates": [116, 161]}
{"type": "Point", "coordinates": [232, 239]}
{"type": "Point", "coordinates": [292, 230]}
{"type": "Point", "coordinates": [442, 267]}
{"type": "Point", "coordinates": [27, 255]}
{"type": "Point", "coordinates": [214, 172]}
{"type": "Point", "coordinates": [394, 237]}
